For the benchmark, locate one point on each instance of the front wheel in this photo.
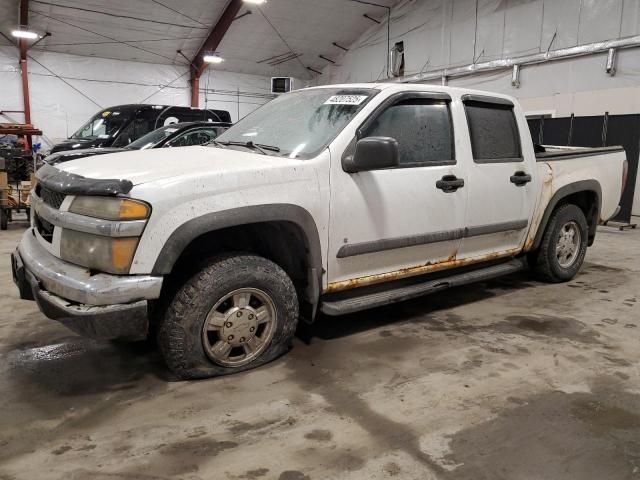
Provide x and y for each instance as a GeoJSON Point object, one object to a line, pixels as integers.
{"type": "Point", "coordinates": [563, 246]}
{"type": "Point", "coordinates": [240, 311]}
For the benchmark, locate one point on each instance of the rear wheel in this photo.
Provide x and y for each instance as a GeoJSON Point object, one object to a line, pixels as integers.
{"type": "Point", "coordinates": [563, 246]}
{"type": "Point", "coordinates": [238, 312]}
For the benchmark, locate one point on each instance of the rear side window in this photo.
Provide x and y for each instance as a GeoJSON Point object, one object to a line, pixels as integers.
{"type": "Point", "coordinates": [494, 132]}
{"type": "Point", "coordinates": [422, 128]}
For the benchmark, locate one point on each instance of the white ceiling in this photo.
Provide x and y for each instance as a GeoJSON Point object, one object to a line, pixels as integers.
{"type": "Point", "coordinates": [153, 30]}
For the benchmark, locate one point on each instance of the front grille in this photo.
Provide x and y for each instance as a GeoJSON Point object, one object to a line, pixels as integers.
{"type": "Point", "coordinates": [45, 229]}
{"type": "Point", "coordinates": [51, 198]}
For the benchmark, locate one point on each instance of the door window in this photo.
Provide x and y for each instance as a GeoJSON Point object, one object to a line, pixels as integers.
{"type": "Point", "coordinates": [493, 131]}
{"type": "Point", "coordinates": [199, 136]}
{"type": "Point", "coordinates": [422, 127]}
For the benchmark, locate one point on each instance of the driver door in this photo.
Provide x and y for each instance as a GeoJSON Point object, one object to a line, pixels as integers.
{"type": "Point", "coordinates": [393, 223]}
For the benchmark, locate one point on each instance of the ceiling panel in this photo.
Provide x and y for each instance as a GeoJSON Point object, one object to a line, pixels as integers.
{"type": "Point", "coordinates": [153, 30]}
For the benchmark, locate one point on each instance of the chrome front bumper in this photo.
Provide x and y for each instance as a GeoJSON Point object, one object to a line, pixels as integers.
{"type": "Point", "coordinates": [98, 306]}
{"type": "Point", "coordinates": [76, 283]}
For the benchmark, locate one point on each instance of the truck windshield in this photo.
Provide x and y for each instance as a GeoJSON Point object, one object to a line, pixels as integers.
{"type": "Point", "coordinates": [105, 124]}
{"type": "Point", "coordinates": [300, 124]}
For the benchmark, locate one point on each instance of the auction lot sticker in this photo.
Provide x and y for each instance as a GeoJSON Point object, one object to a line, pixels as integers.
{"type": "Point", "coordinates": [346, 100]}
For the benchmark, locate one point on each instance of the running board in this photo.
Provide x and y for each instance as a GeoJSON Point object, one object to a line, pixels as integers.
{"type": "Point", "coordinates": [386, 297]}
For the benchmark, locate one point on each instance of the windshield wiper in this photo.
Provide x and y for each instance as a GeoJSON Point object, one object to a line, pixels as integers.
{"type": "Point", "coordinates": [253, 146]}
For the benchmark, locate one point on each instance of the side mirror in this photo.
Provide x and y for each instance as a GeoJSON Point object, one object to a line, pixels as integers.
{"type": "Point", "coordinates": [372, 153]}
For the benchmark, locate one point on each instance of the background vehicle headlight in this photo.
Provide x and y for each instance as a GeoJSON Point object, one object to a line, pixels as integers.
{"type": "Point", "coordinates": [110, 208]}
{"type": "Point", "coordinates": [106, 254]}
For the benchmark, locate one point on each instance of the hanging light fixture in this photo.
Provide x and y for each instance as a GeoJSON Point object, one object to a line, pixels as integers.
{"type": "Point", "coordinates": [25, 33]}
{"type": "Point", "coordinates": [212, 57]}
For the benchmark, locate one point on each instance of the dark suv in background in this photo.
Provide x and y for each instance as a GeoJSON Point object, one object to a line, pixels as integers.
{"type": "Point", "coordinates": [120, 125]}
{"type": "Point", "coordinates": [174, 135]}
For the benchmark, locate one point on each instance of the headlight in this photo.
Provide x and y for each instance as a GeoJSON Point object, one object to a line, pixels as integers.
{"type": "Point", "coordinates": [106, 254]}
{"type": "Point", "coordinates": [97, 252]}
{"type": "Point", "coordinates": [110, 208]}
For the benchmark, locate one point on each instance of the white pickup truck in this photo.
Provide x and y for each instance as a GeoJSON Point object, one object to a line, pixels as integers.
{"type": "Point", "coordinates": [335, 199]}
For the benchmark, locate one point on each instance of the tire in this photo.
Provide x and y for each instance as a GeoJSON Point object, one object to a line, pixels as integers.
{"type": "Point", "coordinates": [555, 261]}
{"type": "Point", "coordinates": [223, 308]}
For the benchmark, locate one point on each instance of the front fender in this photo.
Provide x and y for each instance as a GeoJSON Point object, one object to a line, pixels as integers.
{"type": "Point", "coordinates": [194, 228]}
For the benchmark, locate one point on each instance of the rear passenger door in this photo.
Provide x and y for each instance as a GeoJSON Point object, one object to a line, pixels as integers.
{"type": "Point", "coordinates": [501, 180]}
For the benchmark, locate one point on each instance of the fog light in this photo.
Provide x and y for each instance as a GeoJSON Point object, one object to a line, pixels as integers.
{"type": "Point", "coordinates": [105, 254]}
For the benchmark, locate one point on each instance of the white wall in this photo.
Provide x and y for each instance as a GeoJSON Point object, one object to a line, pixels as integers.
{"type": "Point", "coordinates": [444, 33]}
{"type": "Point", "coordinates": [59, 110]}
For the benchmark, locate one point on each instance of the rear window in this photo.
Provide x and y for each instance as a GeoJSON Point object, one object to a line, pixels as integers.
{"type": "Point", "coordinates": [493, 131]}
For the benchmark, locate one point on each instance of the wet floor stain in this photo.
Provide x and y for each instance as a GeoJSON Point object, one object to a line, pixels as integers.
{"type": "Point", "coordinates": [293, 475]}
{"type": "Point", "coordinates": [197, 448]}
{"type": "Point", "coordinates": [80, 366]}
{"type": "Point", "coordinates": [392, 469]}
{"type": "Point", "coordinates": [61, 450]}
{"type": "Point", "coordinates": [319, 435]}
{"type": "Point", "coordinates": [587, 436]}
{"type": "Point", "coordinates": [528, 325]}
{"type": "Point", "coordinates": [254, 474]}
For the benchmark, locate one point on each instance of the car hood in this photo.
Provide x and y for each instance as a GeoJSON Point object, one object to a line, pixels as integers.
{"type": "Point", "coordinates": [143, 166]}
{"type": "Point", "coordinates": [68, 155]}
{"type": "Point", "coordinates": [80, 143]}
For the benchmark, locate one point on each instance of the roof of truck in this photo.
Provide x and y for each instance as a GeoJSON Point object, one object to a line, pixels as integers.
{"type": "Point", "coordinates": [453, 91]}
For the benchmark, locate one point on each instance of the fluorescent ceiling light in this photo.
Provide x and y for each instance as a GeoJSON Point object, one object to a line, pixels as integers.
{"type": "Point", "coordinates": [212, 58]}
{"type": "Point", "coordinates": [25, 34]}
{"type": "Point", "coordinates": [255, 2]}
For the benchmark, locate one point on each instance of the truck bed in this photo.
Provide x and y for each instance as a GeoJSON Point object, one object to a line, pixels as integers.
{"type": "Point", "coordinates": [553, 152]}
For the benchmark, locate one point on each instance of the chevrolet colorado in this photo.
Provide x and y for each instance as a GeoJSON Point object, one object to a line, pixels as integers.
{"type": "Point", "coordinates": [335, 199]}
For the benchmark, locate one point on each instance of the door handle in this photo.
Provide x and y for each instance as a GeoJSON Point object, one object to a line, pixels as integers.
{"type": "Point", "coordinates": [520, 179]}
{"type": "Point", "coordinates": [449, 183]}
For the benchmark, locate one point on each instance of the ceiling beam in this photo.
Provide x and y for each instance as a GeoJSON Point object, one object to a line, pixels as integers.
{"type": "Point", "coordinates": [198, 65]}
{"type": "Point", "coordinates": [216, 35]}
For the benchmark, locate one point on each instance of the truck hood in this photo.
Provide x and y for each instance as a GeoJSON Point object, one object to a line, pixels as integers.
{"type": "Point", "coordinates": [145, 166]}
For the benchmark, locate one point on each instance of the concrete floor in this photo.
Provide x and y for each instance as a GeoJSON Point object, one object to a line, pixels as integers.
{"type": "Point", "coordinates": [510, 379]}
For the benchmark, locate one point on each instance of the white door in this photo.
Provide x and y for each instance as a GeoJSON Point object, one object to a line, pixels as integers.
{"type": "Point", "coordinates": [394, 223]}
{"type": "Point", "coordinates": [501, 181]}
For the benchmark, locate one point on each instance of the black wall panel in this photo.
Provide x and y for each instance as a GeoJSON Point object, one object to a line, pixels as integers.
{"type": "Point", "coordinates": [596, 131]}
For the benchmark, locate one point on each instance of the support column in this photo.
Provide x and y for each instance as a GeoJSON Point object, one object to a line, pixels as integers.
{"type": "Point", "coordinates": [195, 89]}
{"type": "Point", "coordinates": [24, 22]}
{"type": "Point", "coordinates": [25, 90]}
